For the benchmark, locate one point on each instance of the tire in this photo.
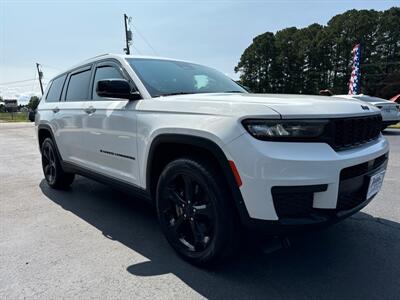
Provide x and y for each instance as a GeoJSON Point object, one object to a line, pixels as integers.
{"type": "Point", "coordinates": [196, 213]}
{"type": "Point", "coordinates": [53, 173]}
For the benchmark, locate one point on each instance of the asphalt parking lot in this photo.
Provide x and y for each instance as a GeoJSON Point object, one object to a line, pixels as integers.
{"type": "Point", "coordinates": [94, 242]}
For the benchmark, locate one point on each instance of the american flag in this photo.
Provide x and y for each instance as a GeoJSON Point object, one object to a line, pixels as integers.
{"type": "Point", "coordinates": [354, 84]}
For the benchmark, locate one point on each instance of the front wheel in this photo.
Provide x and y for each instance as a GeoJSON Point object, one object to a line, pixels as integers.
{"type": "Point", "coordinates": [195, 211]}
{"type": "Point", "coordinates": [52, 170]}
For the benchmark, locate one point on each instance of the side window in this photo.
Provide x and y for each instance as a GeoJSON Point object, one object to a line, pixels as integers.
{"type": "Point", "coordinates": [106, 72]}
{"type": "Point", "coordinates": [54, 93]}
{"type": "Point", "coordinates": [78, 86]}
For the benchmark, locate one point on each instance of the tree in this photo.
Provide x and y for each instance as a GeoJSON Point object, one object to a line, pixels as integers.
{"type": "Point", "coordinates": [319, 57]}
{"type": "Point", "coordinates": [33, 103]}
{"type": "Point", "coordinates": [257, 64]}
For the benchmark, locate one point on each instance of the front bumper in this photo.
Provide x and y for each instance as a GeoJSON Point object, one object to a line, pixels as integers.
{"type": "Point", "coordinates": [271, 169]}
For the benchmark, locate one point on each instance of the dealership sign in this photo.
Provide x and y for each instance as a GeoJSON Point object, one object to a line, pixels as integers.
{"type": "Point", "coordinates": [11, 105]}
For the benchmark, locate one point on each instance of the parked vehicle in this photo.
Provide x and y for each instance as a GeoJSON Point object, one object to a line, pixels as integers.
{"type": "Point", "coordinates": [213, 158]}
{"type": "Point", "coordinates": [390, 111]}
{"type": "Point", "coordinates": [31, 115]}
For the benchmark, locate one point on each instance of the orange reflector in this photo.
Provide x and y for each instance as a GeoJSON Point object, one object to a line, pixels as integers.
{"type": "Point", "coordinates": [235, 173]}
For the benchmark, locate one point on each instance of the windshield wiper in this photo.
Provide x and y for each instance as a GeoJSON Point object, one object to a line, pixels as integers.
{"type": "Point", "coordinates": [238, 92]}
{"type": "Point", "coordinates": [174, 94]}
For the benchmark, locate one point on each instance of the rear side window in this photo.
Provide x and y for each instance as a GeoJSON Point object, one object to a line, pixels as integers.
{"type": "Point", "coordinates": [78, 86]}
{"type": "Point", "coordinates": [55, 90]}
{"type": "Point", "coordinates": [106, 72]}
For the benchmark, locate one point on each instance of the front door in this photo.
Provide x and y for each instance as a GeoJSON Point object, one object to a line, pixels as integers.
{"type": "Point", "coordinates": [110, 126]}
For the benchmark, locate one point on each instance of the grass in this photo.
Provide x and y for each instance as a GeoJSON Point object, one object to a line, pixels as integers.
{"type": "Point", "coordinates": [396, 126]}
{"type": "Point", "coordinates": [17, 117]}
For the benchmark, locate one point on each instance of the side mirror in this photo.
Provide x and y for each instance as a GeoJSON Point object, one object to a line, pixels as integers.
{"type": "Point", "coordinates": [116, 88]}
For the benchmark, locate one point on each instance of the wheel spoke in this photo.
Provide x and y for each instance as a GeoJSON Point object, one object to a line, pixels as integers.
{"type": "Point", "coordinates": [174, 225]}
{"type": "Point", "coordinates": [175, 197]}
{"type": "Point", "coordinates": [53, 171]}
{"type": "Point", "coordinates": [51, 156]}
{"type": "Point", "coordinates": [198, 235]}
{"type": "Point", "coordinates": [188, 185]}
{"type": "Point", "coordinates": [46, 169]}
{"type": "Point", "coordinates": [45, 153]}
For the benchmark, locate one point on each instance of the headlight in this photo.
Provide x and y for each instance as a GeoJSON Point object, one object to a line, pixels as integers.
{"type": "Point", "coordinates": [285, 129]}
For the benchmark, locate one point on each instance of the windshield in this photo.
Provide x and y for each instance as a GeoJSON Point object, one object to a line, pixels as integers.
{"type": "Point", "coordinates": [167, 77]}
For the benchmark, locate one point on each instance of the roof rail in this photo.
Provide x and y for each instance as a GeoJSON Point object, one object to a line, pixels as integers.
{"type": "Point", "coordinates": [99, 55]}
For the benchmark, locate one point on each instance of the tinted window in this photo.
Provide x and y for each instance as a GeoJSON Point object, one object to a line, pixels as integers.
{"type": "Point", "coordinates": [168, 77]}
{"type": "Point", "coordinates": [106, 72]}
{"type": "Point", "coordinates": [78, 86]}
{"type": "Point", "coordinates": [55, 90]}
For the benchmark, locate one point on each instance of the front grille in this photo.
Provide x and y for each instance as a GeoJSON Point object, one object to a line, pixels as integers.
{"type": "Point", "coordinates": [351, 132]}
{"type": "Point", "coordinates": [363, 168]}
{"type": "Point", "coordinates": [354, 184]}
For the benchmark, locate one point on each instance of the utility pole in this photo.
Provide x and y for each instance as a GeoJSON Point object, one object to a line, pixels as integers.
{"type": "Point", "coordinates": [128, 34]}
{"type": "Point", "coordinates": [40, 73]}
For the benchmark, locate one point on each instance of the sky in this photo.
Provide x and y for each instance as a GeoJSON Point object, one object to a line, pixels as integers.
{"type": "Point", "coordinates": [60, 34]}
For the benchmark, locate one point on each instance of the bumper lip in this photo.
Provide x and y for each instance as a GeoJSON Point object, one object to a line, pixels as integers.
{"type": "Point", "coordinates": [288, 226]}
{"type": "Point", "coordinates": [319, 218]}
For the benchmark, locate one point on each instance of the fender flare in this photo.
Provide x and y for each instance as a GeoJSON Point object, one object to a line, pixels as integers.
{"type": "Point", "coordinates": [47, 128]}
{"type": "Point", "coordinates": [209, 146]}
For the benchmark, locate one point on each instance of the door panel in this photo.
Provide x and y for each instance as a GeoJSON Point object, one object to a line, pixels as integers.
{"type": "Point", "coordinates": [111, 134]}
{"type": "Point", "coordinates": [110, 130]}
{"type": "Point", "coordinates": [71, 116]}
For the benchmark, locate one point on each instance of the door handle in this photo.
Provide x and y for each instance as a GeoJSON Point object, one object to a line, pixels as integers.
{"type": "Point", "coordinates": [89, 110]}
{"type": "Point", "coordinates": [56, 110]}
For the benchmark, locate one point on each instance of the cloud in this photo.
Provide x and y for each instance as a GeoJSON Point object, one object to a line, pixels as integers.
{"type": "Point", "coordinates": [24, 98]}
{"type": "Point", "coordinates": [15, 93]}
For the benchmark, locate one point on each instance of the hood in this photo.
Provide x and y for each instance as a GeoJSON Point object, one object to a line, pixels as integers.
{"type": "Point", "coordinates": [288, 106]}
{"type": "Point", "coordinates": [368, 99]}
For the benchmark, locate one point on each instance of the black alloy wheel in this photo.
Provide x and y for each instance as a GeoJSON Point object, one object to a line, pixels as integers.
{"type": "Point", "coordinates": [52, 170]}
{"type": "Point", "coordinates": [195, 212]}
{"type": "Point", "coordinates": [49, 163]}
{"type": "Point", "coordinates": [188, 214]}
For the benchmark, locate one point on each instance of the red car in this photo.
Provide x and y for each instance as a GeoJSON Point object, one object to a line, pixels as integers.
{"type": "Point", "coordinates": [396, 98]}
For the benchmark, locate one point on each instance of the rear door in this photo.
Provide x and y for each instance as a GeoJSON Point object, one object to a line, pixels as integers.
{"type": "Point", "coordinates": [72, 132]}
{"type": "Point", "coordinates": [51, 109]}
{"type": "Point", "coordinates": [111, 128]}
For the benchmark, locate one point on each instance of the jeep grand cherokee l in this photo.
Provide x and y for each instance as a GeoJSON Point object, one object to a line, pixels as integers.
{"type": "Point", "coordinates": [212, 157]}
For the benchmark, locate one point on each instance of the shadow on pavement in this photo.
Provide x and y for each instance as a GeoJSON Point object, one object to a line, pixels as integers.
{"type": "Point", "coordinates": [391, 132]}
{"type": "Point", "coordinates": [358, 258]}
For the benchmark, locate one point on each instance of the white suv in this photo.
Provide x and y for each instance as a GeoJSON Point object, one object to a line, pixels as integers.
{"type": "Point", "coordinates": [213, 158]}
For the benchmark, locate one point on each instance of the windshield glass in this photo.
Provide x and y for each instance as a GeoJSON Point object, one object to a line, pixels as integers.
{"type": "Point", "coordinates": [167, 77]}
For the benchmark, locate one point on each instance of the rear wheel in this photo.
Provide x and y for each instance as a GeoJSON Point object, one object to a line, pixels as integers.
{"type": "Point", "coordinates": [52, 170]}
{"type": "Point", "coordinates": [195, 211]}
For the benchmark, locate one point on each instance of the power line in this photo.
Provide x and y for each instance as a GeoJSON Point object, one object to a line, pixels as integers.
{"type": "Point", "coordinates": [145, 40]}
{"type": "Point", "coordinates": [18, 81]}
{"type": "Point", "coordinates": [51, 67]}
{"type": "Point", "coordinates": [137, 50]}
